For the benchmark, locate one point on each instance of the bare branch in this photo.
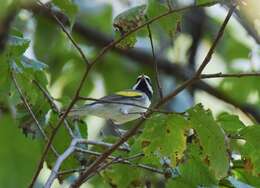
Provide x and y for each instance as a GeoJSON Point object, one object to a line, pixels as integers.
{"type": "Point", "coordinates": [60, 160]}
{"type": "Point", "coordinates": [54, 106]}
{"type": "Point", "coordinates": [66, 32]}
{"type": "Point", "coordinates": [121, 160]}
{"type": "Point", "coordinates": [230, 75]}
{"type": "Point", "coordinates": [206, 60]}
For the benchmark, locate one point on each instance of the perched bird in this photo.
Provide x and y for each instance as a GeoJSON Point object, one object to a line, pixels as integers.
{"type": "Point", "coordinates": [122, 106]}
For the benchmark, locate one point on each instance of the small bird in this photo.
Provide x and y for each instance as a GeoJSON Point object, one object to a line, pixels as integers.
{"type": "Point", "coordinates": [122, 106]}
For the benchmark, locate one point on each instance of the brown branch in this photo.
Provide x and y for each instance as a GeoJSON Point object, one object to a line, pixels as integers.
{"type": "Point", "coordinates": [155, 66]}
{"type": "Point", "coordinates": [229, 75]}
{"type": "Point", "coordinates": [65, 31]}
{"type": "Point", "coordinates": [131, 132]}
{"type": "Point", "coordinates": [27, 106]}
{"type": "Point", "coordinates": [55, 130]}
{"type": "Point", "coordinates": [204, 63]}
{"type": "Point", "coordinates": [122, 160]}
{"type": "Point", "coordinates": [54, 107]}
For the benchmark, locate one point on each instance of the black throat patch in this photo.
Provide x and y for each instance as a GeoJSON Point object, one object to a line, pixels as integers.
{"type": "Point", "coordinates": [142, 86]}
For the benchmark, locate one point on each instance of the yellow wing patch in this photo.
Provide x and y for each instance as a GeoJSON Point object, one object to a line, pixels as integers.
{"type": "Point", "coordinates": [129, 93]}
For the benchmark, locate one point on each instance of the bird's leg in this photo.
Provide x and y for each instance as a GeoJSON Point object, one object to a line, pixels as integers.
{"type": "Point", "coordinates": [118, 132]}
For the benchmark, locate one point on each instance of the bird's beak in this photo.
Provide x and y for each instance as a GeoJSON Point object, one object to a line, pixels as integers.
{"type": "Point", "coordinates": [142, 76]}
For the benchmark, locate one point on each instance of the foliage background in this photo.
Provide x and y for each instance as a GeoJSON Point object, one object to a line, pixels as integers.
{"type": "Point", "coordinates": [37, 51]}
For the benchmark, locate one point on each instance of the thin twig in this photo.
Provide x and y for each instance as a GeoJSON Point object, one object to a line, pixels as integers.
{"type": "Point", "coordinates": [215, 42]}
{"type": "Point", "coordinates": [229, 75]}
{"type": "Point", "coordinates": [105, 144]}
{"type": "Point", "coordinates": [54, 106]}
{"type": "Point", "coordinates": [121, 160]}
{"type": "Point", "coordinates": [66, 32]}
{"type": "Point", "coordinates": [155, 66]}
{"type": "Point", "coordinates": [131, 132]}
{"type": "Point", "coordinates": [206, 60]}
{"type": "Point", "coordinates": [27, 106]}
{"type": "Point", "coordinates": [169, 4]}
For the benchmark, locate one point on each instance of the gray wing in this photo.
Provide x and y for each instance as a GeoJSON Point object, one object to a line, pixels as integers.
{"type": "Point", "coordinates": [114, 98]}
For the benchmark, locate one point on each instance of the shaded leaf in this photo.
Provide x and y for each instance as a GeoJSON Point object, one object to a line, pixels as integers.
{"type": "Point", "coordinates": [168, 23]}
{"type": "Point", "coordinates": [18, 155]}
{"type": "Point", "coordinates": [68, 7]}
{"type": "Point", "coordinates": [212, 140]}
{"type": "Point", "coordinates": [230, 123]}
{"type": "Point", "coordinates": [250, 150]}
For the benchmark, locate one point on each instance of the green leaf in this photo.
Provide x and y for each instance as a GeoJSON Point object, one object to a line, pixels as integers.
{"type": "Point", "coordinates": [250, 150]}
{"type": "Point", "coordinates": [5, 80]}
{"type": "Point", "coordinates": [199, 2]}
{"type": "Point", "coordinates": [98, 17]}
{"type": "Point", "coordinates": [68, 7]}
{"type": "Point", "coordinates": [168, 23]}
{"type": "Point", "coordinates": [16, 46]}
{"type": "Point", "coordinates": [247, 177]}
{"type": "Point", "coordinates": [230, 123]}
{"type": "Point", "coordinates": [232, 87]}
{"type": "Point", "coordinates": [163, 137]}
{"type": "Point", "coordinates": [130, 19]}
{"type": "Point", "coordinates": [127, 42]}
{"type": "Point", "coordinates": [81, 129]}
{"type": "Point", "coordinates": [121, 175]}
{"type": "Point", "coordinates": [212, 140]}
{"type": "Point", "coordinates": [127, 21]}
{"type": "Point", "coordinates": [18, 155]}
{"type": "Point", "coordinates": [194, 173]}
{"type": "Point", "coordinates": [99, 181]}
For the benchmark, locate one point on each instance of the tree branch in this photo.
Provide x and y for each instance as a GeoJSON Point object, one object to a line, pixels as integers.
{"type": "Point", "coordinates": [65, 31]}
{"type": "Point", "coordinates": [131, 132]}
{"type": "Point", "coordinates": [27, 106]}
{"type": "Point", "coordinates": [60, 160]}
{"type": "Point", "coordinates": [54, 107]}
{"type": "Point", "coordinates": [230, 75]}
{"type": "Point", "coordinates": [155, 66]}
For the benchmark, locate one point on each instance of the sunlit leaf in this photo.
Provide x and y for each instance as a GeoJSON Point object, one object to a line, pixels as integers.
{"type": "Point", "coordinates": [162, 138]}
